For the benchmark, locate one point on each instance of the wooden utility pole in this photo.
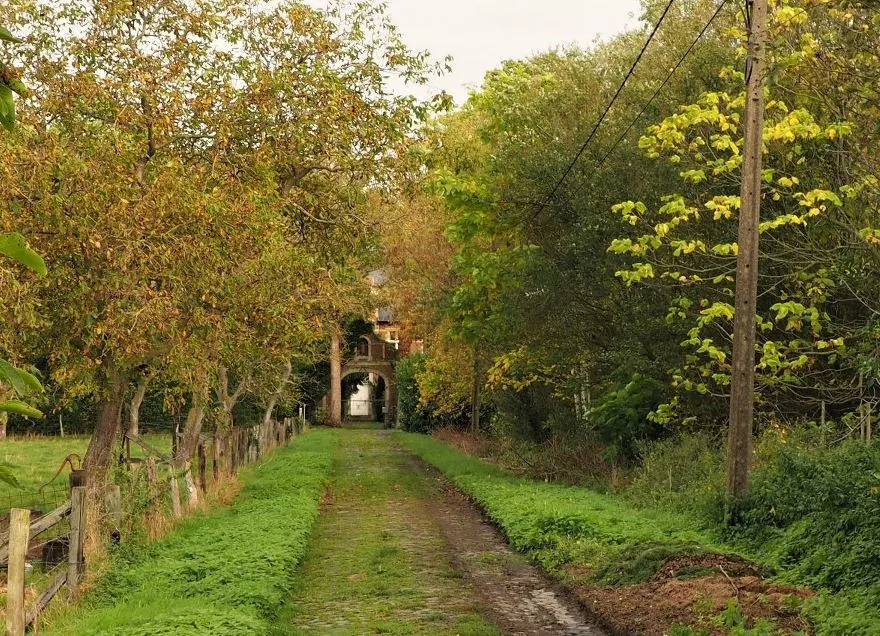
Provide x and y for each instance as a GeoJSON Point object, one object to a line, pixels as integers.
{"type": "Point", "coordinates": [742, 381]}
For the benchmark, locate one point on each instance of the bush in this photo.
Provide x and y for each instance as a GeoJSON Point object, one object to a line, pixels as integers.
{"type": "Point", "coordinates": [412, 414]}
{"type": "Point", "coordinates": [819, 509]}
{"type": "Point", "coordinates": [533, 414]}
{"type": "Point", "coordinates": [620, 416]}
{"type": "Point", "coordinates": [683, 473]}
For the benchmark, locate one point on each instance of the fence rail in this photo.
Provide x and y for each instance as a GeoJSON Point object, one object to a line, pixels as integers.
{"type": "Point", "coordinates": [229, 449]}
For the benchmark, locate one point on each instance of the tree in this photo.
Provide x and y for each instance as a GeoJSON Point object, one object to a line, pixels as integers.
{"type": "Point", "coordinates": [14, 382]}
{"type": "Point", "coordinates": [198, 221]}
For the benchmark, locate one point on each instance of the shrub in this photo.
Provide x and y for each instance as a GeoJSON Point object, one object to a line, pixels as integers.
{"type": "Point", "coordinates": [683, 473]}
{"type": "Point", "coordinates": [819, 509]}
{"type": "Point", "coordinates": [620, 416]}
{"type": "Point", "coordinates": [413, 414]}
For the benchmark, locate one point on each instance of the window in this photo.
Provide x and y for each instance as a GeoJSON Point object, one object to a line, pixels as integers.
{"type": "Point", "coordinates": [363, 348]}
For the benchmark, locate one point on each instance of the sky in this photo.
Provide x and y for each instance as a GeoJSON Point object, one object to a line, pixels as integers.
{"type": "Point", "coordinates": [480, 34]}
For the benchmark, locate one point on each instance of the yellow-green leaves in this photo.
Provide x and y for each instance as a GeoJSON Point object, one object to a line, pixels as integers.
{"type": "Point", "coordinates": [17, 407]}
{"type": "Point", "coordinates": [23, 383]}
{"type": "Point", "coordinates": [14, 246]}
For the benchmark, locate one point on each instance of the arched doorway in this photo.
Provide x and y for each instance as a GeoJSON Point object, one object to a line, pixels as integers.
{"type": "Point", "coordinates": [383, 402]}
{"type": "Point", "coordinates": [371, 356]}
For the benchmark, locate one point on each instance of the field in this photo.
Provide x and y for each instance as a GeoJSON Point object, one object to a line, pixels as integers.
{"type": "Point", "coordinates": [35, 460]}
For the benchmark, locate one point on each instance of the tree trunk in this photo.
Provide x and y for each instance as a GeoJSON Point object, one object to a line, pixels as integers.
{"type": "Point", "coordinates": [190, 439]}
{"type": "Point", "coordinates": [134, 412]}
{"type": "Point", "coordinates": [227, 400]}
{"type": "Point", "coordinates": [97, 459]}
{"type": "Point", "coordinates": [335, 379]}
{"type": "Point", "coordinates": [4, 416]}
{"type": "Point", "coordinates": [475, 395]}
{"type": "Point", "coordinates": [285, 378]}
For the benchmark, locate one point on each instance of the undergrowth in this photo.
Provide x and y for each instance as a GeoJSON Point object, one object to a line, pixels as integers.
{"type": "Point", "coordinates": [224, 572]}
{"type": "Point", "coordinates": [812, 514]}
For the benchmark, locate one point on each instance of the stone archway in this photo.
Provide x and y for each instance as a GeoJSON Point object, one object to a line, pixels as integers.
{"type": "Point", "coordinates": [372, 355]}
{"type": "Point", "coordinates": [385, 371]}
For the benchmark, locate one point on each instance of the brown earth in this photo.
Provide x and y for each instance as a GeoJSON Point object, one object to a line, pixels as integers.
{"type": "Point", "coordinates": [651, 608]}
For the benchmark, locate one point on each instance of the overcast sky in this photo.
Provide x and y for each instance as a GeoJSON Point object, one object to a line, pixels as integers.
{"type": "Point", "coordinates": [480, 34]}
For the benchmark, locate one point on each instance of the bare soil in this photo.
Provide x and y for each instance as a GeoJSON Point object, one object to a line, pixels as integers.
{"type": "Point", "coordinates": [651, 608]}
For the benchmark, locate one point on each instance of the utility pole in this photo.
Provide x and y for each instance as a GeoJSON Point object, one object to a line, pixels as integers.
{"type": "Point", "coordinates": [742, 380]}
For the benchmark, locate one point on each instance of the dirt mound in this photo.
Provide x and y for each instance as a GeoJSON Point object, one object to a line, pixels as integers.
{"type": "Point", "coordinates": [651, 608]}
{"type": "Point", "coordinates": [693, 566]}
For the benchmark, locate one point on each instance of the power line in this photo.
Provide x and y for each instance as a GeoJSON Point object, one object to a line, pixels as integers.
{"type": "Point", "coordinates": [598, 123]}
{"type": "Point", "coordinates": [657, 92]}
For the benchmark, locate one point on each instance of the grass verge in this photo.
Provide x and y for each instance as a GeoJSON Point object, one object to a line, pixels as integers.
{"type": "Point", "coordinates": [557, 525]}
{"type": "Point", "coordinates": [223, 573]}
{"type": "Point", "coordinates": [597, 541]}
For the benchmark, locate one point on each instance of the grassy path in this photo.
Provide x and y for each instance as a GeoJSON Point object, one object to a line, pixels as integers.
{"type": "Point", "coordinates": [378, 563]}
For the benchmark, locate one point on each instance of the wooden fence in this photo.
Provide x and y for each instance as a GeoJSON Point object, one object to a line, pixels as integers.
{"type": "Point", "coordinates": [21, 542]}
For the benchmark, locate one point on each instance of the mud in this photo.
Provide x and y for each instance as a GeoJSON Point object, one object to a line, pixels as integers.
{"type": "Point", "coordinates": [516, 595]}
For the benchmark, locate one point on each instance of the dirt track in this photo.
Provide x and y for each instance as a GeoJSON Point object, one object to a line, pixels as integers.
{"type": "Point", "coordinates": [399, 551]}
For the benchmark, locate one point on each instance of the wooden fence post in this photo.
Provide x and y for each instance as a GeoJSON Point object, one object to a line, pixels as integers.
{"type": "Point", "coordinates": [233, 452]}
{"type": "Point", "coordinates": [113, 500]}
{"type": "Point", "coordinates": [203, 467]}
{"type": "Point", "coordinates": [77, 537]}
{"type": "Point", "coordinates": [215, 457]}
{"type": "Point", "coordinates": [151, 476]}
{"type": "Point", "coordinates": [19, 534]}
{"type": "Point", "coordinates": [175, 492]}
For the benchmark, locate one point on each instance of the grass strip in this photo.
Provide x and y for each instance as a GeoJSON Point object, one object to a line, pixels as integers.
{"type": "Point", "coordinates": [225, 572]}
{"type": "Point", "coordinates": [556, 524]}
{"type": "Point", "coordinates": [617, 544]}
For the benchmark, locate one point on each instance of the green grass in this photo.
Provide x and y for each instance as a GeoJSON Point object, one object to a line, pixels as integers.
{"type": "Point", "coordinates": [557, 525]}
{"type": "Point", "coordinates": [359, 425]}
{"type": "Point", "coordinates": [620, 543]}
{"type": "Point", "coordinates": [221, 573]}
{"type": "Point", "coordinates": [35, 460]}
{"type": "Point", "coordinates": [378, 564]}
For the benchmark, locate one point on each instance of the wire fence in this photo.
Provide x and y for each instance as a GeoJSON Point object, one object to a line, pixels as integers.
{"type": "Point", "coordinates": [41, 537]}
{"type": "Point", "coordinates": [39, 501]}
